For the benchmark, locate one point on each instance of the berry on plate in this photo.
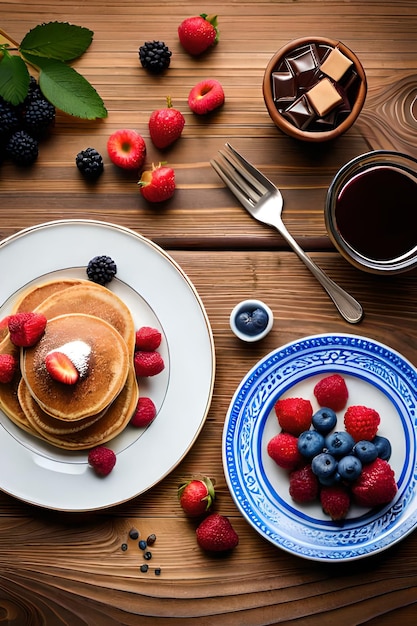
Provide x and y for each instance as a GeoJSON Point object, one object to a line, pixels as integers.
{"type": "Point", "coordinates": [216, 534]}
{"type": "Point", "coordinates": [376, 485]}
{"type": "Point", "coordinates": [310, 443]}
{"type": "Point", "coordinates": [102, 460]}
{"type": "Point", "coordinates": [158, 184]}
{"type": "Point", "coordinates": [196, 496]}
{"type": "Point", "coordinates": [335, 501]}
{"type": "Point", "coordinates": [101, 269]}
{"type": "Point", "coordinates": [60, 367]}
{"type": "Point", "coordinates": [206, 96]}
{"type": "Point", "coordinates": [26, 328]}
{"type": "Point", "coordinates": [198, 33]}
{"type": "Point", "coordinates": [304, 486]}
{"type": "Point", "coordinates": [147, 338]}
{"type": "Point", "coordinates": [8, 367]}
{"type": "Point", "coordinates": [144, 414]}
{"type": "Point", "coordinates": [148, 363]}
{"type": "Point", "coordinates": [339, 443]}
{"type": "Point", "coordinates": [361, 422]}
{"type": "Point", "coordinates": [332, 392]}
{"type": "Point", "coordinates": [294, 414]}
{"type": "Point", "coordinates": [283, 449]}
{"type": "Point", "coordinates": [166, 125]}
{"type": "Point", "coordinates": [126, 149]}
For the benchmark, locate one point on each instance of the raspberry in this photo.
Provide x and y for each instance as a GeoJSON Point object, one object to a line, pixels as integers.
{"type": "Point", "coordinates": [8, 367]}
{"type": "Point", "coordinates": [144, 414]}
{"type": "Point", "coordinates": [90, 163]}
{"type": "Point", "coordinates": [361, 422]}
{"type": "Point", "coordinates": [332, 392]}
{"type": "Point", "coordinates": [22, 148]}
{"type": "Point", "coordinates": [26, 328]}
{"type": "Point", "coordinates": [283, 449]}
{"type": "Point", "coordinates": [148, 338]}
{"type": "Point", "coordinates": [335, 501]}
{"type": "Point", "coordinates": [102, 460]}
{"type": "Point", "coordinates": [304, 486]}
{"type": "Point", "coordinates": [148, 363]}
{"type": "Point", "coordinates": [101, 269]}
{"type": "Point", "coordinates": [294, 415]}
{"type": "Point", "coordinates": [376, 485]}
{"type": "Point", "coordinates": [155, 56]}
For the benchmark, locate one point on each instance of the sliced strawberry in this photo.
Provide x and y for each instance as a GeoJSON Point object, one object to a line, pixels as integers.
{"type": "Point", "coordinates": [61, 368]}
{"type": "Point", "coordinates": [26, 328]}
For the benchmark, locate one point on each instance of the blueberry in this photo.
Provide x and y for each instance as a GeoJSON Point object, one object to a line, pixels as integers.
{"type": "Point", "coordinates": [349, 467]}
{"type": "Point", "coordinates": [124, 547]}
{"type": "Point", "coordinates": [144, 567]}
{"type": "Point", "coordinates": [383, 446]}
{"type": "Point", "coordinates": [324, 465]}
{"type": "Point", "coordinates": [324, 420]}
{"type": "Point", "coordinates": [142, 544]}
{"type": "Point", "coordinates": [252, 322]}
{"type": "Point", "coordinates": [339, 443]}
{"type": "Point", "coordinates": [366, 451]}
{"type": "Point", "coordinates": [133, 533]}
{"type": "Point", "coordinates": [147, 555]}
{"type": "Point", "coordinates": [310, 443]}
{"type": "Point", "coordinates": [329, 481]}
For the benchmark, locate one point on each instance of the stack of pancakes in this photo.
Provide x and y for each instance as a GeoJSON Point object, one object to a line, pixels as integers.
{"type": "Point", "coordinates": [97, 329]}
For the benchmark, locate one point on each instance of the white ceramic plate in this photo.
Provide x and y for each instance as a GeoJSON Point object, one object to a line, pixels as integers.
{"type": "Point", "coordinates": [376, 376]}
{"type": "Point", "coordinates": [158, 294]}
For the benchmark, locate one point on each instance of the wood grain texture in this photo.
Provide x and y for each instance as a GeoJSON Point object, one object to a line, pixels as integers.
{"type": "Point", "coordinates": [61, 569]}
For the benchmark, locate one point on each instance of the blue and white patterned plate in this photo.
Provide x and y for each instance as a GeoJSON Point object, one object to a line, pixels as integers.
{"type": "Point", "coordinates": [376, 376]}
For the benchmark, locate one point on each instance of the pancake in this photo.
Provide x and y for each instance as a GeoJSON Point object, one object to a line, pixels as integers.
{"type": "Point", "coordinates": [33, 296]}
{"type": "Point", "coordinates": [91, 299]}
{"type": "Point", "coordinates": [107, 364]}
{"type": "Point", "coordinates": [111, 424]}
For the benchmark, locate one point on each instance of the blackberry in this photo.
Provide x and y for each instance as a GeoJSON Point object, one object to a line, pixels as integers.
{"type": "Point", "coordinates": [38, 116]}
{"type": "Point", "coordinates": [101, 269]}
{"type": "Point", "coordinates": [22, 148]}
{"type": "Point", "coordinates": [9, 120]}
{"type": "Point", "coordinates": [155, 56]}
{"type": "Point", "coordinates": [90, 163]}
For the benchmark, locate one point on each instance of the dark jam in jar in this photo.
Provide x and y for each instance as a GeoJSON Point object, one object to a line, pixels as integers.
{"type": "Point", "coordinates": [376, 213]}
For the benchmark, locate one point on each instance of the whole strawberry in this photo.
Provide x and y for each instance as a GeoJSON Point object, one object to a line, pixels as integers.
{"type": "Point", "coordinates": [158, 184]}
{"type": "Point", "coordinates": [196, 496]}
{"type": "Point", "coordinates": [166, 125]}
{"type": "Point", "coordinates": [376, 485]}
{"type": "Point", "coordinates": [304, 485]}
{"type": "Point", "coordinates": [283, 449]}
{"type": "Point", "coordinates": [26, 328]}
{"type": "Point", "coordinates": [361, 422]}
{"type": "Point", "coordinates": [198, 33]}
{"type": "Point", "coordinates": [206, 96]}
{"type": "Point", "coordinates": [294, 415]}
{"type": "Point", "coordinates": [148, 363]}
{"type": "Point", "coordinates": [216, 534]}
{"type": "Point", "coordinates": [332, 392]}
{"type": "Point", "coordinates": [102, 460]}
{"type": "Point", "coordinates": [335, 501]}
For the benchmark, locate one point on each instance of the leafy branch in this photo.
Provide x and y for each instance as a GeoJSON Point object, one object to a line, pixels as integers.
{"type": "Point", "coordinates": [49, 48]}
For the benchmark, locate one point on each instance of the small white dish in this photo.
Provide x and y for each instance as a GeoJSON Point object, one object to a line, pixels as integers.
{"type": "Point", "coordinates": [250, 306]}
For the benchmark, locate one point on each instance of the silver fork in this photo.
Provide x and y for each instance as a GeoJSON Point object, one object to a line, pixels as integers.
{"type": "Point", "coordinates": [264, 202]}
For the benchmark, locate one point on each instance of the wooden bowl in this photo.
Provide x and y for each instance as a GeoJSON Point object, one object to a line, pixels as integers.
{"type": "Point", "coordinates": [352, 85]}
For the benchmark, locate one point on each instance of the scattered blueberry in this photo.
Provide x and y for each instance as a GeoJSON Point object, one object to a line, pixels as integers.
{"type": "Point", "coordinates": [252, 322]}
{"type": "Point", "coordinates": [142, 544]}
{"type": "Point", "coordinates": [134, 533]}
{"type": "Point", "coordinates": [349, 467]}
{"type": "Point", "coordinates": [324, 420]}
{"type": "Point", "coordinates": [366, 451]}
{"type": "Point", "coordinates": [147, 555]}
{"type": "Point", "coordinates": [339, 443]}
{"type": "Point", "coordinates": [124, 547]}
{"type": "Point", "coordinates": [310, 443]}
{"type": "Point", "coordinates": [151, 539]}
{"type": "Point", "coordinates": [324, 465]}
{"type": "Point", "coordinates": [383, 446]}
{"type": "Point", "coordinates": [144, 567]}
{"type": "Point", "coordinates": [157, 571]}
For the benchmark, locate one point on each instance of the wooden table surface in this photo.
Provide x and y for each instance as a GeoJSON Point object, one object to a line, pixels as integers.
{"type": "Point", "coordinates": [61, 568]}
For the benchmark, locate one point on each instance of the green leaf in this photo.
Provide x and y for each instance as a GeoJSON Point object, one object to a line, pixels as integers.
{"type": "Point", "coordinates": [57, 40]}
{"type": "Point", "coordinates": [66, 89]}
{"type": "Point", "coordinates": [14, 79]}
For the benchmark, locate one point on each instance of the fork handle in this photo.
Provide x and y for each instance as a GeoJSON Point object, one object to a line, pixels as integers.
{"type": "Point", "coordinates": [348, 307]}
